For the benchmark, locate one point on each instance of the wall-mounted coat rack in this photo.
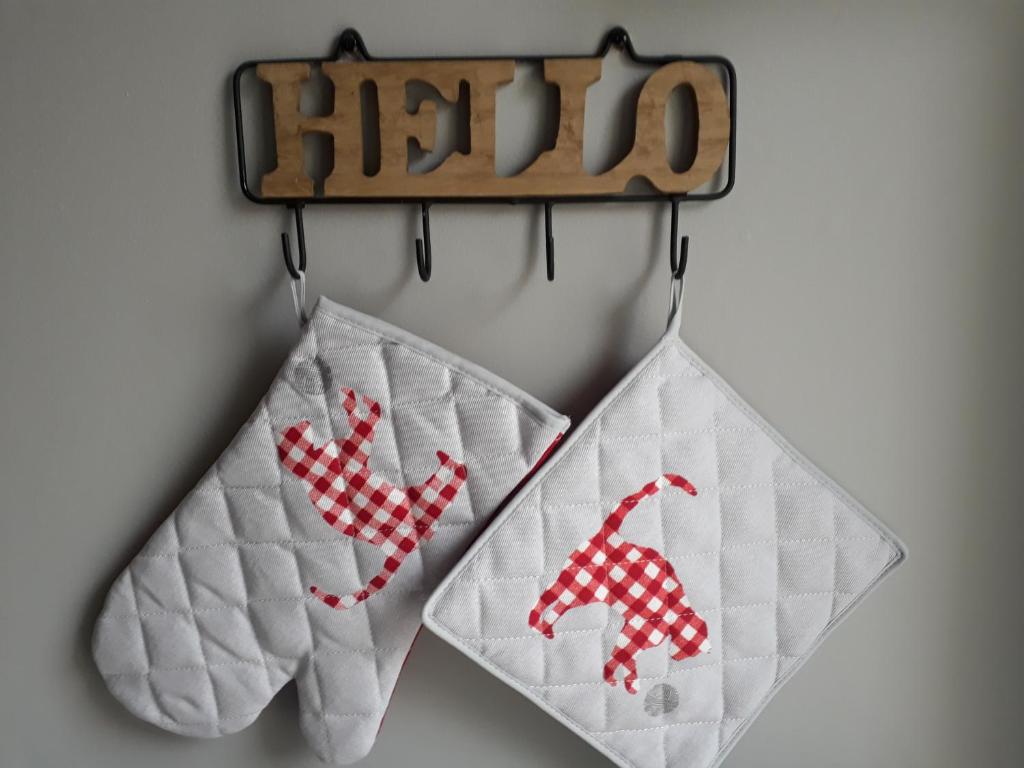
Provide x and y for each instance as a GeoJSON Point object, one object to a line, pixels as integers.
{"type": "Point", "coordinates": [557, 175]}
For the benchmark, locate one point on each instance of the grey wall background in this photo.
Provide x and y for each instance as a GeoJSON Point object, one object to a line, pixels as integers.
{"type": "Point", "coordinates": [863, 287]}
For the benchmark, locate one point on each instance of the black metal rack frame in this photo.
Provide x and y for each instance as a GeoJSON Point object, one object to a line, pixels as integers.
{"type": "Point", "coordinates": [350, 43]}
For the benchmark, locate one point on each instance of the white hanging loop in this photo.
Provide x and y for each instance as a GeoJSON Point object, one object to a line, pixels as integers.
{"type": "Point", "coordinates": [677, 272]}
{"type": "Point", "coordinates": [298, 286]}
{"type": "Point", "coordinates": [297, 273]}
{"type": "Point", "coordinates": [675, 303]}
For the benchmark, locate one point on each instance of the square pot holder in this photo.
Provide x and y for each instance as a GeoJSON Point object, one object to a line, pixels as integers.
{"type": "Point", "coordinates": [308, 549]}
{"type": "Point", "coordinates": [658, 580]}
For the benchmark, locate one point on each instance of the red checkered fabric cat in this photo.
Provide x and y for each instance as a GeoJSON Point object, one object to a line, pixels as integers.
{"type": "Point", "coordinates": [636, 581]}
{"type": "Point", "coordinates": [362, 504]}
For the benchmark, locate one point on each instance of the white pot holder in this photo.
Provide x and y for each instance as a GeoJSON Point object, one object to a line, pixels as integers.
{"type": "Point", "coordinates": [309, 547]}
{"type": "Point", "coordinates": [658, 580]}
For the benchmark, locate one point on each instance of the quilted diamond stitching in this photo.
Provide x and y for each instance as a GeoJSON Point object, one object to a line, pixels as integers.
{"type": "Point", "coordinates": [725, 418]}
{"type": "Point", "coordinates": [223, 581]}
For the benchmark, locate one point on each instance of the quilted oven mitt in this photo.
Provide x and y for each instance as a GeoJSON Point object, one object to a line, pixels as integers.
{"type": "Point", "coordinates": [309, 547]}
{"type": "Point", "coordinates": [657, 581]}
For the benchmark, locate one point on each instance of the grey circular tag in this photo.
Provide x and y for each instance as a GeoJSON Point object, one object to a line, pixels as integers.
{"type": "Point", "coordinates": [308, 375]}
{"type": "Point", "coordinates": [661, 699]}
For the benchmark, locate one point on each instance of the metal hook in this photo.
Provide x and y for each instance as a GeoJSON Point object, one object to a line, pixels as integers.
{"type": "Point", "coordinates": [549, 242]}
{"type": "Point", "coordinates": [618, 37]}
{"type": "Point", "coordinates": [679, 248]}
{"type": "Point", "coordinates": [351, 42]}
{"type": "Point", "coordinates": [424, 261]}
{"type": "Point", "coordinates": [286, 245]}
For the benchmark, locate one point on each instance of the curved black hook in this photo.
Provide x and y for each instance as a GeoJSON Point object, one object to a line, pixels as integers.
{"type": "Point", "coordinates": [351, 42]}
{"type": "Point", "coordinates": [618, 37]}
{"type": "Point", "coordinates": [679, 249]}
{"type": "Point", "coordinates": [424, 260]}
{"type": "Point", "coordinates": [549, 248]}
{"type": "Point", "coordinates": [286, 245]}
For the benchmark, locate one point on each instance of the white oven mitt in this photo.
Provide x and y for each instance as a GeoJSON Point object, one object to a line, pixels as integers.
{"type": "Point", "coordinates": [659, 579]}
{"type": "Point", "coordinates": [308, 549]}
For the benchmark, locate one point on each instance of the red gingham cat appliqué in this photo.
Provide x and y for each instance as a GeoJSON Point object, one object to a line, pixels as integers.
{"type": "Point", "coordinates": [359, 503]}
{"type": "Point", "coordinates": [636, 581]}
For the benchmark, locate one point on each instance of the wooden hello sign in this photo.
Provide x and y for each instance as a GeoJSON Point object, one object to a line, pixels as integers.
{"type": "Point", "coordinates": [555, 173]}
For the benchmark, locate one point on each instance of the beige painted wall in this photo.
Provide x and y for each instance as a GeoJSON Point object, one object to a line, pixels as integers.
{"type": "Point", "coordinates": [863, 287]}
